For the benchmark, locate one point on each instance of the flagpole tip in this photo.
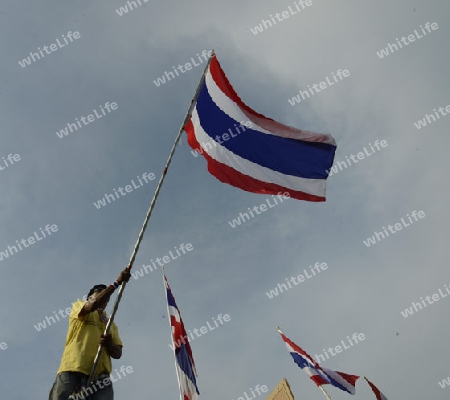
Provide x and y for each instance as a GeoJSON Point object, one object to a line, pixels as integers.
{"type": "Point", "coordinates": [279, 329]}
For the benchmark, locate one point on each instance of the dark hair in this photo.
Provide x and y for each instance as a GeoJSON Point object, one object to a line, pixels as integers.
{"type": "Point", "coordinates": [99, 287]}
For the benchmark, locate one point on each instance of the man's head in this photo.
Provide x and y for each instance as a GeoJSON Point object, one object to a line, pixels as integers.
{"type": "Point", "coordinates": [94, 293]}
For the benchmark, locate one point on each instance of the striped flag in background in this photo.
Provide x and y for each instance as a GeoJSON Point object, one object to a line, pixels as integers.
{"type": "Point", "coordinates": [320, 376]}
{"type": "Point", "coordinates": [184, 360]}
{"type": "Point", "coordinates": [378, 394]}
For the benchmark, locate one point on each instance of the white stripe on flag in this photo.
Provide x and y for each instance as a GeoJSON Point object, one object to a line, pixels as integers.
{"type": "Point", "coordinates": [186, 386]}
{"type": "Point", "coordinates": [334, 375]}
{"type": "Point", "coordinates": [174, 313]}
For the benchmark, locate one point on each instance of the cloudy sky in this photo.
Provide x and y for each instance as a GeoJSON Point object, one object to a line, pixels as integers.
{"type": "Point", "coordinates": [56, 181]}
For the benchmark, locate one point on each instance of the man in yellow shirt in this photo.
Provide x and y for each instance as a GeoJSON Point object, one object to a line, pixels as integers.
{"type": "Point", "coordinates": [87, 322]}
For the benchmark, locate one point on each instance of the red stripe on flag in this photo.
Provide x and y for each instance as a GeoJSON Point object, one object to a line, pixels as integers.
{"type": "Point", "coordinates": [318, 380]}
{"type": "Point", "coordinates": [349, 378]}
{"type": "Point", "coordinates": [376, 391]}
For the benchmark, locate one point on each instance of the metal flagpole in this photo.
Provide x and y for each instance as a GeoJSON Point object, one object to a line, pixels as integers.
{"type": "Point", "coordinates": [320, 386]}
{"type": "Point", "coordinates": [147, 217]}
{"type": "Point", "coordinates": [325, 393]}
{"type": "Point", "coordinates": [171, 335]}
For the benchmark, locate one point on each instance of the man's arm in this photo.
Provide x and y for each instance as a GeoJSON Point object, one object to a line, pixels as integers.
{"type": "Point", "coordinates": [104, 295]}
{"type": "Point", "coordinates": [90, 305]}
{"type": "Point", "coordinates": [114, 350]}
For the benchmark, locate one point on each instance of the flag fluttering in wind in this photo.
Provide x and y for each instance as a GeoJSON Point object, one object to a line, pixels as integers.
{"type": "Point", "coordinates": [252, 152]}
{"type": "Point", "coordinates": [184, 361]}
{"type": "Point", "coordinates": [378, 394]}
{"type": "Point", "coordinates": [320, 376]}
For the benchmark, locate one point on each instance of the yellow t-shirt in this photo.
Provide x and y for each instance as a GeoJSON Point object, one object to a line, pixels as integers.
{"type": "Point", "coordinates": [82, 342]}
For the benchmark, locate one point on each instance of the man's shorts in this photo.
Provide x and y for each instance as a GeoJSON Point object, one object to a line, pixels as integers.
{"type": "Point", "coordinates": [72, 386]}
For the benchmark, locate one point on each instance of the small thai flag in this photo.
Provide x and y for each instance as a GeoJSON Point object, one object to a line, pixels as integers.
{"type": "Point", "coordinates": [183, 354]}
{"type": "Point", "coordinates": [378, 394]}
{"type": "Point", "coordinates": [252, 152]}
{"type": "Point", "coordinates": [320, 376]}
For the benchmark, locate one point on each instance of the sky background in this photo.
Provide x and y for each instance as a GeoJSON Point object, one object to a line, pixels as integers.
{"type": "Point", "coordinates": [229, 270]}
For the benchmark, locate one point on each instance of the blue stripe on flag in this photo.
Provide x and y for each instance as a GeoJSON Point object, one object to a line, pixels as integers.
{"type": "Point", "coordinates": [300, 361]}
{"type": "Point", "coordinates": [184, 362]}
{"type": "Point", "coordinates": [288, 156]}
{"type": "Point", "coordinates": [170, 299]}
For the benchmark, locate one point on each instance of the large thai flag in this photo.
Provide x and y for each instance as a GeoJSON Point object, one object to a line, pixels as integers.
{"type": "Point", "coordinates": [320, 376]}
{"type": "Point", "coordinates": [252, 152]}
{"type": "Point", "coordinates": [376, 391]}
{"type": "Point", "coordinates": [183, 354]}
